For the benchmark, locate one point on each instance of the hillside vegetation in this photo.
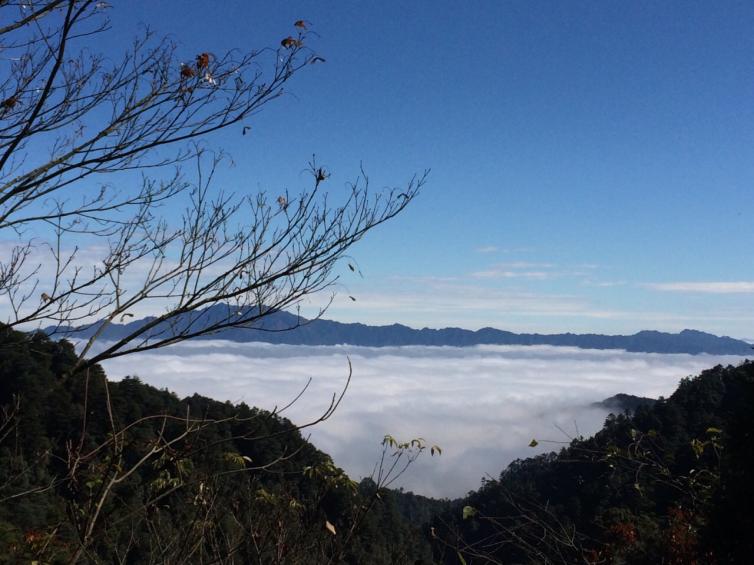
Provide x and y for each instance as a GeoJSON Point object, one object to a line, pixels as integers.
{"type": "Point", "coordinates": [101, 472]}
{"type": "Point", "coordinates": [670, 484]}
{"type": "Point", "coordinates": [243, 486]}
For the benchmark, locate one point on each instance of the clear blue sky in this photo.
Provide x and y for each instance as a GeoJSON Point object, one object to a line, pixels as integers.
{"type": "Point", "coordinates": [591, 162]}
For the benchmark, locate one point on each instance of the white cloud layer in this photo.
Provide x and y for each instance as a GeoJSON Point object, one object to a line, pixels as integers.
{"type": "Point", "coordinates": [736, 287]}
{"type": "Point", "coordinates": [482, 405]}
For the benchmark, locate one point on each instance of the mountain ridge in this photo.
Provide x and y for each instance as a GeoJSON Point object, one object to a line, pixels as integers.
{"type": "Point", "coordinates": [274, 328]}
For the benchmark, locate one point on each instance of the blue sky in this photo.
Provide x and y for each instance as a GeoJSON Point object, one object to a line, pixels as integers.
{"type": "Point", "coordinates": [591, 161]}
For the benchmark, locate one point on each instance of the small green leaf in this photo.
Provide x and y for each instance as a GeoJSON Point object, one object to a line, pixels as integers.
{"type": "Point", "coordinates": [389, 440]}
{"type": "Point", "coordinates": [234, 458]}
{"type": "Point", "coordinates": [468, 512]}
{"type": "Point", "coordinates": [533, 443]}
{"type": "Point", "coordinates": [698, 447]}
{"type": "Point", "coordinates": [460, 558]}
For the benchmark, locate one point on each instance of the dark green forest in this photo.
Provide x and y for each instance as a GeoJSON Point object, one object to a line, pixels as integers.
{"type": "Point", "coordinates": [93, 471]}
{"type": "Point", "coordinates": [669, 484]}
{"type": "Point", "coordinates": [217, 483]}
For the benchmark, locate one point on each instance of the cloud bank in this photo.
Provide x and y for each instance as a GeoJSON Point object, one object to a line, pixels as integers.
{"type": "Point", "coordinates": [736, 287]}
{"type": "Point", "coordinates": [482, 405]}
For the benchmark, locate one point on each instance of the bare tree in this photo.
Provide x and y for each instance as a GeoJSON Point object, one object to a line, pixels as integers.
{"type": "Point", "coordinates": [83, 247]}
{"type": "Point", "coordinates": [109, 208]}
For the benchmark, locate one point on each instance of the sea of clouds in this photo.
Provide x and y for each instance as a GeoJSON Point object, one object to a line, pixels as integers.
{"type": "Point", "coordinates": [482, 405]}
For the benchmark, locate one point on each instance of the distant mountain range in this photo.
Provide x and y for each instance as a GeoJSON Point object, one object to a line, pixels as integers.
{"type": "Point", "coordinates": [328, 332]}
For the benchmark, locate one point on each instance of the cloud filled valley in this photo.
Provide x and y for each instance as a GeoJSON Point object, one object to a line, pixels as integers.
{"type": "Point", "coordinates": [482, 404]}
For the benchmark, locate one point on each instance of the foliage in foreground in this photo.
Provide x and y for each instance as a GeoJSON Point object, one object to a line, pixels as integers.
{"type": "Point", "coordinates": [670, 484]}
{"type": "Point", "coordinates": [241, 486]}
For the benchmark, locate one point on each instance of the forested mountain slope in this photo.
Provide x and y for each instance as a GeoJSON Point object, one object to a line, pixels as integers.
{"type": "Point", "coordinates": [147, 477]}
{"type": "Point", "coordinates": [96, 471]}
{"type": "Point", "coordinates": [670, 484]}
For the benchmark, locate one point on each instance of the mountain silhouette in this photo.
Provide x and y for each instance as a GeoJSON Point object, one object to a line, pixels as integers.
{"type": "Point", "coordinates": [282, 327]}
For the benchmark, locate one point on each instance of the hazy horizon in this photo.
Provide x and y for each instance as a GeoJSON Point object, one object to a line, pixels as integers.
{"type": "Point", "coordinates": [439, 326]}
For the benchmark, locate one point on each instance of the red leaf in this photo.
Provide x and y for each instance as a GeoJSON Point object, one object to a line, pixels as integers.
{"type": "Point", "coordinates": [291, 42]}
{"type": "Point", "coordinates": [202, 61]}
{"type": "Point", "coordinates": [187, 72]}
